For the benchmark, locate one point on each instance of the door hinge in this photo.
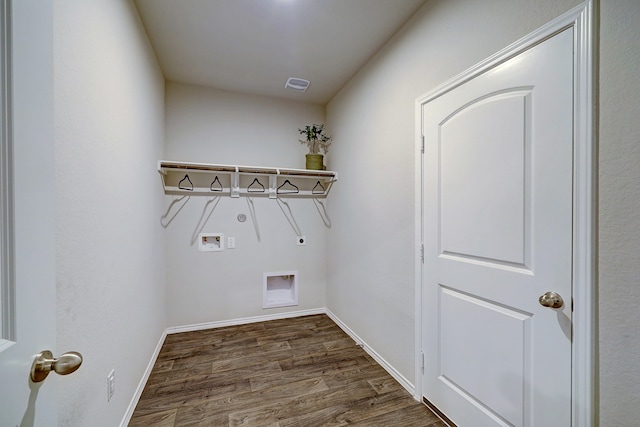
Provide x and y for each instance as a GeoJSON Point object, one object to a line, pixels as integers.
{"type": "Point", "coordinates": [422, 253]}
{"type": "Point", "coordinates": [422, 144]}
{"type": "Point", "coordinates": [421, 360]}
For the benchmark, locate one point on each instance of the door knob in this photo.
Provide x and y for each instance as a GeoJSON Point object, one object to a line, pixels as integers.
{"type": "Point", "coordinates": [63, 365]}
{"type": "Point", "coordinates": [551, 299]}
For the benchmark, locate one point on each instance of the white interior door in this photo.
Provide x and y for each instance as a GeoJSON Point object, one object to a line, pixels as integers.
{"type": "Point", "coordinates": [498, 235]}
{"type": "Point", "coordinates": [31, 324]}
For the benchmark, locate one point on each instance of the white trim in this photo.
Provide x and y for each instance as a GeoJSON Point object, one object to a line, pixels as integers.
{"type": "Point", "coordinates": [583, 20]}
{"type": "Point", "coordinates": [5, 344]}
{"type": "Point", "coordinates": [418, 242]}
{"type": "Point", "coordinates": [143, 382]}
{"type": "Point", "coordinates": [243, 321]}
{"type": "Point", "coordinates": [7, 244]}
{"type": "Point", "coordinates": [404, 382]}
{"type": "Point", "coordinates": [585, 231]}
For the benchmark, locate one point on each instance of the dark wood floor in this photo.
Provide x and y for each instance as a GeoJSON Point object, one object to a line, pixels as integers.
{"type": "Point", "coordinates": [302, 372]}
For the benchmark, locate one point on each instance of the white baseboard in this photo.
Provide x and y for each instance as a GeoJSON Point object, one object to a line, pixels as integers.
{"type": "Point", "coordinates": [243, 321]}
{"type": "Point", "coordinates": [381, 361]}
{"type": "Point", "coordinates": [143, 381]}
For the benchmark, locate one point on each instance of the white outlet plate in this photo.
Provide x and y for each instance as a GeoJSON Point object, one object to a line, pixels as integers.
{"type": "Point", "coordinates": [111, 384]}
{"type": "Point", "coordinates": [231, 242]}
{"type": "Point", "coordinates": [301, 240]}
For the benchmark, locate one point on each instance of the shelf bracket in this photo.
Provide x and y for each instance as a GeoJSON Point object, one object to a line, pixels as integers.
{"type": "Point", "coordinates": [235, 183]}
{"type": "Point", "coordinates": [273, 186]}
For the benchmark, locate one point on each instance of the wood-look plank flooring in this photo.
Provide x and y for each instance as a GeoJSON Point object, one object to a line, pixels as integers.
{"type": "Point", "coordinates": [303, 371]}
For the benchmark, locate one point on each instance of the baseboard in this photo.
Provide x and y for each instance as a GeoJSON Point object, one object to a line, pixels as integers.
{"type": "Point", "coordinates": [245, 320]}
{"type": "Point", "coordinates": [143, 381]}
{"type": "Point", "coordinates": [381, 361]}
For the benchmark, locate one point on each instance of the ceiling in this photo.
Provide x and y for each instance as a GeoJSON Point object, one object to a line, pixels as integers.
{"type": "Point", "coordinates": [254, 46]}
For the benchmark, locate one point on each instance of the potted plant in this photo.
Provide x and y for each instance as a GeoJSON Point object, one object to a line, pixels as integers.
{"type": "Point", "coordinates": [316, 140]}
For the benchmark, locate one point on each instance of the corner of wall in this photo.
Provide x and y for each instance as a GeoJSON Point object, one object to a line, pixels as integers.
{"type": "Point", "coordinates": [109, 135]}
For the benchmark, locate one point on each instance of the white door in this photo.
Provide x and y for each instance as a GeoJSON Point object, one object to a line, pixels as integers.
{"type": "Point", "coordinates": [498, 235]}
{"type": "Point", "coordinates": [33, 317]}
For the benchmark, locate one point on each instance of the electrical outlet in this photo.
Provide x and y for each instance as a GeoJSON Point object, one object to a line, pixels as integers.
{"type": "Point", "coordinates": [111, 384]}
{"type": "Point", "coordinates": [231, 242]}
{"type": "Point", "coordinates": [302, 240]}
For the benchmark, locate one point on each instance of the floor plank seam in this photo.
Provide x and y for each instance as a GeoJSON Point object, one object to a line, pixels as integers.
{"type": "Point", "coordinates": [303, 371]}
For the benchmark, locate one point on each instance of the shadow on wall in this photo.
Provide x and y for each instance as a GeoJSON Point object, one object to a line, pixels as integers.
{"type": "Point", "coordinates": [166, 219]}
{"type": "Point", "coordinates": [178, 203]}
{"type": "Point", "coordinates": [204, 218]}
{"type": "Point", "coordinates": [322, 210]}
{"type": "Point", "coordinates": [288, 213]}
{"type": "Point", "coordinates": [254, 217]}
{"type": "Point", "coordinates": [28, 419]}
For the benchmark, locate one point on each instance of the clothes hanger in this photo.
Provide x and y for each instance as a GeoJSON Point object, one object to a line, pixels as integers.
{"type": "Point", "coordinates": [257, 190]}
{"type": "Point", "coordinates": [286, 190]}
{"type": "Point", "coordinates": [218, 187]}
{"type": "Point", "coordinates": [188, 186]}
{"type": "Point", "coordinates": [318, 189]}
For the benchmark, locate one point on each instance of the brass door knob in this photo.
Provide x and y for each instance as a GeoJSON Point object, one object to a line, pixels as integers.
{"type": "Point", "coordinates": [63, 365]}
{"type": "Point", "coordinates": [551, 299]}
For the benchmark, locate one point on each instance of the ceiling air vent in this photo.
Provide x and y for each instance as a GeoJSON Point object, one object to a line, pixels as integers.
{"type": "Point", "coordinates": [297, 84]}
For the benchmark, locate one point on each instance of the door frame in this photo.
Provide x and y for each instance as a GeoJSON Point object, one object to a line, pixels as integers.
{"type": "Point", "coordinates": [7, 285]}
{"type": "Point", "coordinates": [583, 20]}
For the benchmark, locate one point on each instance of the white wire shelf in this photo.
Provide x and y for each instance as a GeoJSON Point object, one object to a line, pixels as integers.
{"type": "Point", "coordinates": [207, 179]}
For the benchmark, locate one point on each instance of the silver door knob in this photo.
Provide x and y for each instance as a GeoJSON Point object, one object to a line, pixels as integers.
{"type": "Point", "coordinates": [63, 365]}
{"type": "Point", "coordinates": [551, 299]}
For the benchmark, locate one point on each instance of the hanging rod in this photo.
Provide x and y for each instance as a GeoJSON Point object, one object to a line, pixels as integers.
{"type": "Point", "coordinates": [179, 178]}
{"type": "Point", "coordinates": [164, 165]}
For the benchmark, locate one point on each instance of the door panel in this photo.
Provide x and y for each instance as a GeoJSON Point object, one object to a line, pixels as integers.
{"type": "Point", "coordinates": [23, 402]}
{"type": "Point", "coordinates": [498, 234]}
{"type": "Point", "coordinates": [495, 372]}
{"type": "Point", "coordinates": [482, 206]}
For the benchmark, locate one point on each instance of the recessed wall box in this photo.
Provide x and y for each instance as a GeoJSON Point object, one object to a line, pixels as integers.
{"type": "Point", "coordinates": [280, 289]}
{"type": "Point", "coordinates": [210, 242]}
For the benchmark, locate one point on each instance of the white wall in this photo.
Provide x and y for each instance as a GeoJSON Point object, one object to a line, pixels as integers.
{"type": "Point", "coordinates": [619, 213]}
{"type": "Point", "coordinates": [371, 281]}
{"type": "Point", "coordinates": [109, 125]}
{"type": "Point", "coordinates": [373, 118]}
{"type": "Point", "coordinates": [213, 126]}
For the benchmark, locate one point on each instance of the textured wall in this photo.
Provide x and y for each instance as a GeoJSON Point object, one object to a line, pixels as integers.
{"type": "Point", "coordinates": [109, 124]}
{"type": "Point", "coordinates": [212, 126]}
{"type": "Point", "coordinates": [619, 266]}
